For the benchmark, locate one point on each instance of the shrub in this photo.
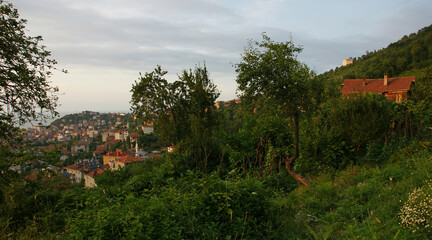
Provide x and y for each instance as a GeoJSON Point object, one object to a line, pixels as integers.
{"type": "Point", "coordinates": [416, 213]}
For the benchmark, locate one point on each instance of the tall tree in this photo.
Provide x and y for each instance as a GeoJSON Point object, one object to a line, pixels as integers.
{"type": "Point", "coordinates": [156, 100]}
{"type": "Point", "coordinates": [183, 111]}
{"type": "Point", "coordinates": [271, 72]}
{"type": "Point", "coordinates": [25, 66]}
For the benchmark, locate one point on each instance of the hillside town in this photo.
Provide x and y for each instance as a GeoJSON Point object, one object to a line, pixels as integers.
{"type": "Point", "coordinates": [88, 143]}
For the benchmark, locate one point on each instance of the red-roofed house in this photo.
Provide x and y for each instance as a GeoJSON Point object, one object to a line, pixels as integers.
{"type": "Point", "coordinates": [75, 172]}
{"type": "Point", "coordinates": [134, 137]}
{"type": "Point", "coordinates": [120, 162]}
{"type": "Point", "coordinates": [110, 156]}
{"type": "Point", "coordinates": [84, 170]}
{"type": "Point", "coordinates": [395, 89]}
{"type": "Point", "coordinates": [100, 149]}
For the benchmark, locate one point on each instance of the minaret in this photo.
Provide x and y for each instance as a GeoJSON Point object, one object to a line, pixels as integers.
{"type": "Point", "coordinates": [136, 148]}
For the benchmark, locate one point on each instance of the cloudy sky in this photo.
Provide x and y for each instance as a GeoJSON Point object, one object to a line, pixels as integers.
{"type": "Point", "coordinates": [104, 44]}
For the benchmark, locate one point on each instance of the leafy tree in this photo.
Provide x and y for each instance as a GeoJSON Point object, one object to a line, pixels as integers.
{"type": "Point", "coordinates": [25, 92]}
{"type": "Point", "coordinates": [156, 100]}
{"type": "Point", "coordinates": [362, 118]}
{"type": "Point", "coordinates": [422, 107]}
{"type": "Point", "coordinates": [182, 111]}
{"type": "Point", "coordinates": [271, 72]}
{"type": "Point", "coordinates": [201, 97]}
{"type": "Point", "coordinates": [25, 66]}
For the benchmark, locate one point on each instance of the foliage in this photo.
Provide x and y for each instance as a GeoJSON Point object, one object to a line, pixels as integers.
{"type": "Point", "coordinates": [183, 111]}
{"type": "Point", "coordinates": [269, 73]}
{"type": "Point", "coordinates": [417, 211]}
{"type": "Point", "coordinates": [24, 71]}
{"type": "Point", "coordinates": [270, 70]}
{"type": "Point", "coordinates": [361, 118]}
{"type": "Point", "coordinates": [409, 56]}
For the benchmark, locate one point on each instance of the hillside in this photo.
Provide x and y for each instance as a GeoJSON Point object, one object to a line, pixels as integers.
{"type": "Point", "coordinates": [411, 55]}
{"type": "Point", "coordinates": [88, 116]}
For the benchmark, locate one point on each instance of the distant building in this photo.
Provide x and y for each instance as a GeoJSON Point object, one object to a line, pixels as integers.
{"type": "Point", "coordinates": [147, 129]}
{"type": "Point", "coordinates": [100, 149]}
{"type": "Point", "coordinates": [121, 135]}
{"type": "Point", "coordinates": [105, 135]}
{"type": "Point", "coordinates": [121, 162]}
{"type": "Point", "coordinates": [110, 156]}
{"type": "Point", "coordinates": [84, 171]}
{"type": "Point", "coordinates": [80, 147]}
{"type": "Point", "coordinates": [92, 133]}
{"type": "Point", "coordinates": [89, 181]}
{"type": "Point", "coordinates": [63, 138]}
{"type": "Point", "coordinates": [134, 137]}
{"type": "Point", "coordinates": [347, 62]}
{"type": "Point", "coordinates": [395, 89]}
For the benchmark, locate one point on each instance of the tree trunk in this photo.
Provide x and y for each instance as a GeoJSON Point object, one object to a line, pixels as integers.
{"type": "Point", "coordinates": [289, 161]}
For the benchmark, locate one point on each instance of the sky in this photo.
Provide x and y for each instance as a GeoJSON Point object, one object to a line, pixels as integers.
{"type": "Point", "coordinates": [105, 44]}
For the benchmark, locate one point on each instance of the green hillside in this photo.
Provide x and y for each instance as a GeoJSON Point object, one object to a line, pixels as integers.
{"type": "Point", "coordinates": [411, 55]}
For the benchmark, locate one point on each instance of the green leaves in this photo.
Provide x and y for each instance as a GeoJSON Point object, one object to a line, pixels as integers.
{"type": "Point", "coordinates": [271, 70]}
{"type": "Point", "coordinates": [25, 66]}
{"type": "Point", "coordinates": [362, 118]}
{"type": "Point", "coordinates": [183, 111]}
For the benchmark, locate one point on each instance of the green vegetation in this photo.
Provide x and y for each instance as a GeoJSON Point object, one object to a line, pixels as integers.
{"type": "Point", "coordinates": [25, 68]}
{"type": "Point", "coordinates": [156, 200]}
{"type": "Point", "coordinates": [361, 169]}
{"type": "Point", "coordinates": [410, 56]}
{"type": "Point", "coordinates": [183, 111]}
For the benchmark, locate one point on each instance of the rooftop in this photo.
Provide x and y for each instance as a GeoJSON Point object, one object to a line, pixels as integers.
{"type": "Point", "coordinates": [377, 85]}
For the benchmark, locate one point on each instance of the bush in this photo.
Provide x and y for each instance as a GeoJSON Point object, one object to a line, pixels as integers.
{"type": "Point", "coordinates": [416, 213]}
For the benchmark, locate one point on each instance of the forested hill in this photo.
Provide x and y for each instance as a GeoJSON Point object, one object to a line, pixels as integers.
{"type": "Point", "coordinates": [411, 55]}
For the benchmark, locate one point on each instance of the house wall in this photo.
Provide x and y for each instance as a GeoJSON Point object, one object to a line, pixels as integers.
{"type": "Point", "coordinates": [116, 165]}
{"type": "Point", "coordinates": [108, 159]}
{"type": "Point", "coordinates": [397, 96]}
{"type": "Point", "coordinates": [89, 182]}
{"type": "Point", "coordinates": [76, 175]}
{"type": "Point", "coordinates": [105, 135]}
{"type": "Point", "coordinates": [123, 135]}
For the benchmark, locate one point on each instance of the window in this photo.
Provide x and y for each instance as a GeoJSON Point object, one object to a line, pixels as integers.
{"type": "Point", "coordinates": [398, 98]}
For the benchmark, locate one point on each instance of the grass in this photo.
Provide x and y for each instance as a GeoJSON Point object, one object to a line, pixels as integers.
{"type": "Point", "coordinates": [361, 202]}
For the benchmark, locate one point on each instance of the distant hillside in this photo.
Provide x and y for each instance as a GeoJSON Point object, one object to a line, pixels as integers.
{"type": "Point", "coordinates": [412, 55]}
{"type": "Point", "coordinates": [92, 116]}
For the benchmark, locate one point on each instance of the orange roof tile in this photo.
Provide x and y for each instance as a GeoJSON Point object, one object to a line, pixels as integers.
{"type": "Point", "coordinates": [95, 172]}
{"type": "Point", "coordinates": [134, 135]}
{"type": "Point", "coordinates": [119, 153]}
{"type": "Point", "coordinates": [74, 167]}
{"type": "Point", "coordinates": [377, 85]}
{"type": "Point", "coordinates": [130, 159]}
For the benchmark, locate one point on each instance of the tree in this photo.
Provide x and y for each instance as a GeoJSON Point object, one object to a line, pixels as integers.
{"type": "Point", "coordinates": [25, 66]}
{"type": "Point", "coordinates": [271, 72]}
{"type": "Point", "coordinates": [362, 118]}
{"type": "Point", "coordinates": [156, 100]}
{"type": "Point", "coordinates": [182, 111]}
